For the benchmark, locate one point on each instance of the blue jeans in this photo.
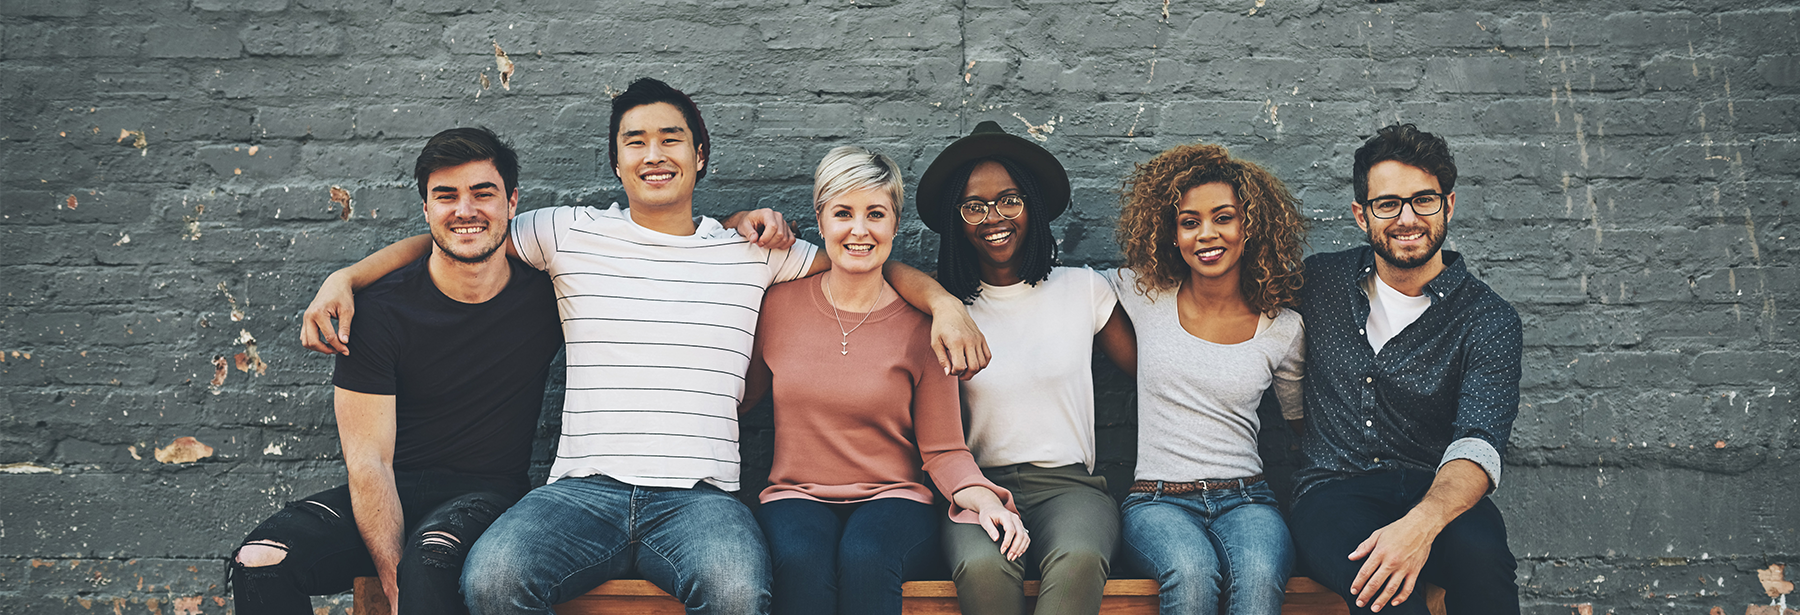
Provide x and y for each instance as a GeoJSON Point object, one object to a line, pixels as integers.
{"type": "Point", "coordinates": [565, 538]}
{"type": "Point", "coordinates": [1227, 545]}
{"type": "Point", "coordinates": [1469, 559]}
{"type": "Point", "coordinates": [847, 558]}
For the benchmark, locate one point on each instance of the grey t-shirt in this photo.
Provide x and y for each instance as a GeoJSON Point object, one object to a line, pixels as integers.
{"type": "Point", "coordinates": [1197, 399]}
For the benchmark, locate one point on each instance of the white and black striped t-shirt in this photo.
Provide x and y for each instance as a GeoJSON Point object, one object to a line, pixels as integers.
{"type": "Point", "coordinates": [659, 329]}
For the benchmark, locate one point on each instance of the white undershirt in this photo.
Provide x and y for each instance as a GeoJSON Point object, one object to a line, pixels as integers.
{"type": "Point", "coordinates": [1390, 311]}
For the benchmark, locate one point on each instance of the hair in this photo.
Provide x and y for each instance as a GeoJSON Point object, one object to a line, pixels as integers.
{"type": "Point", "coordinates": [459, 146]}
{"type": "Point", "coordinates": [848, 168]}
{"type": "Point", "coordinates": [1274, 231]}
{"type": "Point", "coordinates": [1406, 144]}
{"type": "Point", "coordinates": [647, 91]}
{"type": "Point", "coordinates": [959, 269]}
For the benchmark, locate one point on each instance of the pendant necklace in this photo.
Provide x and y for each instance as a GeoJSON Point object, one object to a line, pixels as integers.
{"type": "Point", "coordinates": [845, 342]}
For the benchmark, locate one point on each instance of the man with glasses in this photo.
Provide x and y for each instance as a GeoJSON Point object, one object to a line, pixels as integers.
{"type": "Point", "coordinates": [1411, 389]}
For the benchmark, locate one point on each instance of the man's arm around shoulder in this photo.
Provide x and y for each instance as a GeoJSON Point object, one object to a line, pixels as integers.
{"type": "Point", "coordinates": [366, 428]}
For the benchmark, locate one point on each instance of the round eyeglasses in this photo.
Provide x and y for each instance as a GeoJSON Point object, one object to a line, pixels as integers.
{"type": "Point", "coordinates": [975, 211]}
{"type": "Point", "coordinates": [1422, 205]}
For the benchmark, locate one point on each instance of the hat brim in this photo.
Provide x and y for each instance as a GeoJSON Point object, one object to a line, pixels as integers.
{"type": "Point", "coordinates": [1052, 179]}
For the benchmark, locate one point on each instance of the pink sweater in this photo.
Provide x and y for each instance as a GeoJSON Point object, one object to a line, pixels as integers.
{"type": "Point", "coordinates": [866, 425]}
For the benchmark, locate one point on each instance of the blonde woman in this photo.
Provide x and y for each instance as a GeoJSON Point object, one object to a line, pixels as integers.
{"type": "Point", "coordinates": [863, 412]}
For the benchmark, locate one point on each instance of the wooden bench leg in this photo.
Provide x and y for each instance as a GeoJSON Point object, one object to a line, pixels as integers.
{"type": "Point", "coordinates": [368, 598]}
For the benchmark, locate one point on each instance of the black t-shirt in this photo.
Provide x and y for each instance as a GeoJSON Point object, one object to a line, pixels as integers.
{"type": "Point", "coordinates": [468, 378]}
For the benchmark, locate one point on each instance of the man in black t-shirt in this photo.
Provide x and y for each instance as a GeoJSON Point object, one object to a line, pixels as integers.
{"type": "Point", "coordinates": [437, 401]}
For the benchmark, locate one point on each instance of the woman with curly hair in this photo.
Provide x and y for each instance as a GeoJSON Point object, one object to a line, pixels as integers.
{"type": "Point", "coordinates": [1213, 263]}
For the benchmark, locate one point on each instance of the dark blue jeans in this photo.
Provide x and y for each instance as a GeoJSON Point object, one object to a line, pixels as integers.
{"type": "Point", "coordinates": [1470, 559]}
{"type": "Point", "coordinates": [847, 558]}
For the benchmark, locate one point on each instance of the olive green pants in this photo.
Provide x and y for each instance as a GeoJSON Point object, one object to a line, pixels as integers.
{"type": "Point", "coordinates": [1074, 528]}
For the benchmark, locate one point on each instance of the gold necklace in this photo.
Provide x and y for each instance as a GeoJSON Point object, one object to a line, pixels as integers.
{"type": "Point", "coordinates": [845, 342]}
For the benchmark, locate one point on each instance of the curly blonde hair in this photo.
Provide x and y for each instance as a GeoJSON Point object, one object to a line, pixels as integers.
{"type": "Point", "coordinates": [1274, 231]}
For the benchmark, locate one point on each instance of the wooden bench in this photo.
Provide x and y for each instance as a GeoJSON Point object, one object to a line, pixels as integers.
{"type": "Point", "coordinates": [1123, 597]}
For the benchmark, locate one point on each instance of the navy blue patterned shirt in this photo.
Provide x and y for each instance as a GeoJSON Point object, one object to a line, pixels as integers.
{"type": "Point", "coordinates": [1446, 387]}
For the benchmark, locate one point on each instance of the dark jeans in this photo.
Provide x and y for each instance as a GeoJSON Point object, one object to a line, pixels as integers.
{"type": "Point", "coordinates": [1470, 559]}
{"type": "Point", "coordinates": [325, 551]}
{"type": "Point", "coordinates": [847, 558]}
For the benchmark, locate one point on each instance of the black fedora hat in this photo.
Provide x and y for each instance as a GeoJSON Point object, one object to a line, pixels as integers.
{"type": "Point", "coordinates": [989, 141]}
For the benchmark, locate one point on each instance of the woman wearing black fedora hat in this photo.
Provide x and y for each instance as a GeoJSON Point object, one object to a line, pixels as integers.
{"type": "Point", "coordinates": [1030, 414]}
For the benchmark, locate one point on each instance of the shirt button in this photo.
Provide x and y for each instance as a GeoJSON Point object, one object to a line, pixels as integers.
{"type": "Point", "coordinates": [1369, 424]}
{"type": "Point", "coordinates": [1361, 332]}
{"type": "Point", "coordinates": [1370, 379]}
{"type": "Point", "coordinates": [1377, 460]}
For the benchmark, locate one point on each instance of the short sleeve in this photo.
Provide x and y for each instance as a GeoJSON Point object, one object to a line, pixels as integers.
{"type": "Point", "coordinates": [1101, 295]}
{"type": "Point", "coordinates": [792, 263]}
{"type": "Point", "coordinates": [1289, 372]}
{"type": "Point", "coordinates": [537, 233]}
{"type": "Point", "coordinates": [370, 367]}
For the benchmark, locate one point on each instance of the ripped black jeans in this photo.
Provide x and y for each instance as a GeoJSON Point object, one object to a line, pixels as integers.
{"type": "Point", "coordinates": [325, 551]}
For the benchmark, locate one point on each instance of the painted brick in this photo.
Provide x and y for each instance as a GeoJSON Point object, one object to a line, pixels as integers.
{"type": "Point", "coordinates": [1639, 219]}
{"type": "Point", "coordinates": [309, 38]}
{"type": "Point", "coordinates": [252, 6]}
{"type": "Point", "coordinates": [46, 8]}
{"type": "Point", "coordinates": [192, 42]}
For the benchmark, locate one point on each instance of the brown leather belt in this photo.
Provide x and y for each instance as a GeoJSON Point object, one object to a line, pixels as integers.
{"type": "Point", "coordinates": [1168, 488]}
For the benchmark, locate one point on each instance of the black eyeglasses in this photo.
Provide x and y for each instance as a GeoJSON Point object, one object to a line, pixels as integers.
{"type": "Point", "coordinates": [1422, 205]}
{"type": "Point", "coordinates": [975, 211]}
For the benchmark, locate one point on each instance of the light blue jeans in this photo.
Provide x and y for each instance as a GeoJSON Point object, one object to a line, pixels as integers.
{"type": "Point", "coordinates": [1220, 545]}
{"type": "Point", "coordinates": [565, 538]}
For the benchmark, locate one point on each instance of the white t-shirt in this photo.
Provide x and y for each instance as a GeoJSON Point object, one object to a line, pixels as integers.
{"type": "Point", "coordinates": [1390, 311]}
{"type": "Point", "coordinates": [658, 330]}
{"type": "Point", "coordinates": [1034, 403]}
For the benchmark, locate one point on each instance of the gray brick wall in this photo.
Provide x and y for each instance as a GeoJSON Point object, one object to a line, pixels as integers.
{"type": "Point", "coordinates": [165, 175]}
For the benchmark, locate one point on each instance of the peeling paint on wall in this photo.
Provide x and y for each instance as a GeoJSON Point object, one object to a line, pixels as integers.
{"type": "Point", "coordinates": [342, 198]}
{"type": "Point", "coordinates": [505, 66]}
{"type": "Point", "coordinates": [137, 140]}
{"type": "Point", "coordinates": [69, 202]}
{"type": "Point", "coordinates": [191, 224]}
{"type": "Point", "coordinates": [219, 372]}
{"type": "Point", "coordinates": [249, 360]}
{"type": "Point", "coordinates": [237, 312]}
{"type": "Point", "coordinates": [184, 449]}
{"type": "Point", "coordinates": [1039, 132]}
{"type": "Point", "coordinates": [26, 468]}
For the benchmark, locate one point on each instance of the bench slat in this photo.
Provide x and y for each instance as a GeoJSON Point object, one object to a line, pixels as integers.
{"type": "Point", "coordinates": [1123, 597]}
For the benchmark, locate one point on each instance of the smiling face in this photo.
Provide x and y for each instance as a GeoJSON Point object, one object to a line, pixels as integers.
{"type": "Point", "coordinates": [468, 210]}
{"type": "Point", "coordinates": [1410, 240]}
{"type": "Point", "coordinates": [1209, 230]}
{"type": "Point", "coordinates": [658, 162]}
{"type": "Point", "coordinates": [858, 230]}
{"type": "Point", "coordinates": [998, 242]}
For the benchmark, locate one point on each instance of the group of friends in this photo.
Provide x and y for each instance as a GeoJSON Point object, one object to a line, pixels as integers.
{"type": "Point", "coordinates": [952, 425]}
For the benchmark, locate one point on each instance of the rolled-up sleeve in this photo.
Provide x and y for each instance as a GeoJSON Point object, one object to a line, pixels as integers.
{"type": "Point", "coordinates": [1489, 399]}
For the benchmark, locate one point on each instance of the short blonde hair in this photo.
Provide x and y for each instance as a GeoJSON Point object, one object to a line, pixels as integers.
{"type": "Point", "coordinates": [848, 168]}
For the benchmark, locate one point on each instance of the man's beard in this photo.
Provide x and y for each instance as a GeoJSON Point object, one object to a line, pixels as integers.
{"type": "Point", "coordinates": [1434, 235]}
{"type": "Point", "coordinates": [482, 257]}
